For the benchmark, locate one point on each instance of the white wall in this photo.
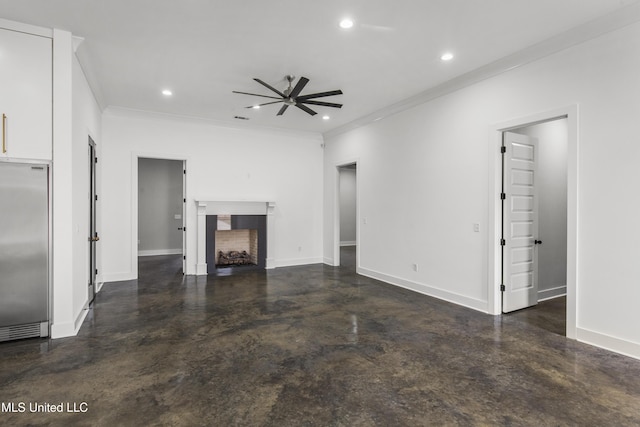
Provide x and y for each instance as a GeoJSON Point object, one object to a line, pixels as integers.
{"type": "Point", "coordinates": [348, 219]}
{"type": "Point", "coordinates": [423, 180]}
{"type": "Point", "coordinates": [552, 205]}
{"type": "Point", "coordinates": [76, 115]}
{"type": "Point", "coordinates": [223, 163]}
{"type": "Point", "coordinates": [159, 201]}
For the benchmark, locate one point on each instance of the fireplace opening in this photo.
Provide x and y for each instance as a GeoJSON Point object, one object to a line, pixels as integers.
{"type": "Point", "coordinates": [236, 247]}
{"type": "Point", "coordinates": [236, 241]}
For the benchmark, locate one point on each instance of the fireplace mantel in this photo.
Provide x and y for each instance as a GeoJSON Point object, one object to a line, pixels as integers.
{"type": "Point", "coordinates": [232, 207]}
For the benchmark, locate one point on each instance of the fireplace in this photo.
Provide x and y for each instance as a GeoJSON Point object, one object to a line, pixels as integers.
{"type": "Point", "coordinates": [226, 215]}
{"type": "Point", "coordinates": [236, 242]}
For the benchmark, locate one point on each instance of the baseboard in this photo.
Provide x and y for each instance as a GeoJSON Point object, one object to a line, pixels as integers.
{"type": "Point", "coordinates": [118, 277]}
{"type": "Point", "coordinates": [292, 262]}
{"type": "Point", "coordinates": [427, 290]}
{"type": "Point", "coordinates": [348, 243]}
{"type": "Point", "coordinates": [156, 252]}
{"type": "Point", "coordinates": [62, 330]}
{"type": "Point", "coordinates": [552, 293]}
{"type": "Point", "coordinates": [329, 261]}
{"type": "Point", "coordinates": [80, 320]}
{"type": "Point", "coordinates": [610, 343]}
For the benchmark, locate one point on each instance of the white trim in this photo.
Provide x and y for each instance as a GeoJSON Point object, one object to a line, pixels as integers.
{"type": "Point", "coordinates": [68, 329]}
{"type": "Point", "coordinates": [293, 262]}
{"type": "Point", "coordinates": [494, 215]}
{"type": "Point", "coordinates": [608, 342]}
{"type": "Point", "coordinates": [119, 277]}
{"type": "Point", "coordinates": [421, 288]}
{"type": "Point", "coordinates": [26, 28]}
{"type": "Point", "coordinates": [348, 243]}
{"type": "Point", "coordinates": [153, 115]}
{"type": "Point", "coordinates": [618, 19]}
{"type": "Point", "coordinates": [135, 155]}
{"type": "Point", "coordinates": [336, 209]}
{"type": "Point", "coordinates": [548, 294]}
{"type": "Point", "coordinates": [155, 252]}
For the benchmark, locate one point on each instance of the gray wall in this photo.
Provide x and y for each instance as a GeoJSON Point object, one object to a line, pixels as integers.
{"type": "Point", "coordinates": [348, 205]}
{"type": "Point", "coordinates": [159, 201]}
{"type": "Point", "coordinates": [552, 205]}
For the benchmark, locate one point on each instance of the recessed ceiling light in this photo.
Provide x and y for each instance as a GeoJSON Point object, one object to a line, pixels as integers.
{"type": "Point", "coordinates": [447, 56]}
{"type": "Point", "coordinates": [325, 117]}
{"type": "Point", "coordinates": [346, 23]}
{"type": "Point", "coordinates": [167, 92]}
{"type": "Point", "coordinates": [256, 107]}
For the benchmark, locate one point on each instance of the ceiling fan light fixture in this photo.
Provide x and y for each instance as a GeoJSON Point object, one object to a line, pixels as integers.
{"type": "Point", "coordinates": [325, 117]}
{"type": "Point", "coordinates": [167, 92]}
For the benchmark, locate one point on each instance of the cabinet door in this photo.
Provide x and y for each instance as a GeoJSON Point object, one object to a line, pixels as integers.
{"type": "Point", "coordinates": [25, 95]}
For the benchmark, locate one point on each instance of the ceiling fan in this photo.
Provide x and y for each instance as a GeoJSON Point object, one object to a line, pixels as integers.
{"type": "Point", "coordinates": [291, 96]}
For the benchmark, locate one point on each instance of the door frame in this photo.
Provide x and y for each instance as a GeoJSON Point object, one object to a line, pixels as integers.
{"type": "Point", "coordinates": [494, 250]}
{"type": "Point", "coordinates": [135, 156]}
{"type": "Point", "coordinates": [93, 220]}
{"type": "Point", "coordinates": [336, 211]}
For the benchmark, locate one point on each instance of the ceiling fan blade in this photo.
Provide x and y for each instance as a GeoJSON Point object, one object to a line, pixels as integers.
{"type": "Point", "coordinates": [305, 108]}
{"type": "Point", "coordinates": [282, 110]}
{"type": "Point", "coordinates": [266, 103]}
{"type": "Point", "coordinates": [299, 86]}
{"type": "Point", "coordinates": [255, 94]}
{"type": "Point", "coordinates": [270, 87]}
{"type": "Point", "coordinates": [324, 104]}
{"type": "Point", "coordinates": [320, 95]}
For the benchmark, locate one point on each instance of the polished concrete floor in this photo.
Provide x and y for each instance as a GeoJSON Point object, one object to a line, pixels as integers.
{"type": "Point", "coordinates": [308, 346]}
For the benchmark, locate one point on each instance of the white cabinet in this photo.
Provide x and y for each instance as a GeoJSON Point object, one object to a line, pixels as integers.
{"type": "Point", "coordinates": [25, 95]}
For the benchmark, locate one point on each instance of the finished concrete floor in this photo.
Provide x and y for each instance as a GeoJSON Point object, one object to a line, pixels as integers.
{"type": "Point", "coordinates": [309, 346]}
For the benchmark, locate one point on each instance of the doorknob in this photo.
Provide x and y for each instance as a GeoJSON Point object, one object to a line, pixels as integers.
{"type": "Point", "coordinates": [179, 228]}
{"type": "Point", "coordinates": [537, 242]}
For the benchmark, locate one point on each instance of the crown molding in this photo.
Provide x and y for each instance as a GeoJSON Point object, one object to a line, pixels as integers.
{"type": "Point", "coordinates": [125, 112]}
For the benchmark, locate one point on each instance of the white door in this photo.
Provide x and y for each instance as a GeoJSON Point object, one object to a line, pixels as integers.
{"type": "Point", "coordinates": [520, 223]}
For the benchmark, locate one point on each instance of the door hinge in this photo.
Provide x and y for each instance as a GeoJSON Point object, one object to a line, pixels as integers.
{"type": "Point", "coordinates": [184, 257]}
{"type": "Point", "coordinates": [96, 197]}
{"type": "Point", "coordinates": [184, 228]}
{"type": "Point", "coordinates": [184, 200]}
{"type": "Point", "coordinates": [503, 196]}
{"type": "Point", "coordinates": [503, 242]}
{"type": "Point", "coordinates": [503, 288]}
{"type": "Point", "coordinates": [503, 149]}
{"type": "Point", "coordinates": [96, 271]}
{"type": "Point", "coordinates": [184, 171]}
{"type": "Point", "coordinates": [96, 159]}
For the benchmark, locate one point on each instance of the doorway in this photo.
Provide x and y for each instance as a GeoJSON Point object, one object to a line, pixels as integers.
{"type": "Point", "coordinates": [346, 216]}
{"type": "Point", "coordinates": [93, 233]}
{"type": "Point", "coordinates": [494, 226]}
{"type": "Point", "coordinates": [534, 218]}
{"type": "Point", "coordinates": [161, 209]}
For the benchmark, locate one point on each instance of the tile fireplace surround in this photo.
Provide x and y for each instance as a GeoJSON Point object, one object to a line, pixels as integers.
{"type": "Point", "coordinates": [214, 207]}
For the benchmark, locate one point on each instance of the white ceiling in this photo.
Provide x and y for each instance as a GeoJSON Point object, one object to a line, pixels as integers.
{"type": "Point", "coordinates": [204, 49]}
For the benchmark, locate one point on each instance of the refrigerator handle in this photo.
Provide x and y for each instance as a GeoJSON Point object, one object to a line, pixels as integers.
{"type": "Point", "coordinates": [4, 133]}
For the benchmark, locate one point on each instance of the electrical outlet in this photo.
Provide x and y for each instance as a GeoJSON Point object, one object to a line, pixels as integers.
{"type": "Point", "coordinates": [476, 227]}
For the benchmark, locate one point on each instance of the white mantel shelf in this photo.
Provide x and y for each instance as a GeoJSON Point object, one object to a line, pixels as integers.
{"type": "Point", "coordinates": [233, 207]}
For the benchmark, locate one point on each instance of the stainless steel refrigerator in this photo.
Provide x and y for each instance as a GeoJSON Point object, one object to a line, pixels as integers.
{"type": "Point", "coordinates": [24, 250]}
